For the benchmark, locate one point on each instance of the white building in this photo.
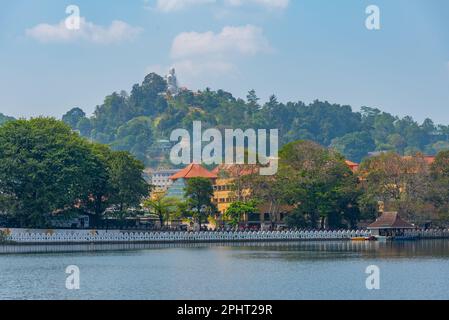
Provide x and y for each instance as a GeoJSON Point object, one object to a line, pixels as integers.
{"type": "Point", "coordinates": [160, 178]}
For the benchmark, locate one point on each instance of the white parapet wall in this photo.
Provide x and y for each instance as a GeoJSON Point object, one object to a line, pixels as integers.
{"type": "Point", "coordinates": [34, 236]}
{"type": "Point", "coordinates": [429, 234]}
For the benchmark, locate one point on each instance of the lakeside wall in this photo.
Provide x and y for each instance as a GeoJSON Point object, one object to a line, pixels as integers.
{"type": "Point", "coordinates": [35, 236]}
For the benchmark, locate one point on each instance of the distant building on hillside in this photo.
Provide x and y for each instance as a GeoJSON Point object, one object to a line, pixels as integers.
{"type": "Point", "coordinates": [352, 165]}
{"type": "Point", "coordinates": [160, 179]}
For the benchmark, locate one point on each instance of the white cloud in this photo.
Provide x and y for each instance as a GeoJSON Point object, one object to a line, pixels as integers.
{"type": "Point", "coordinates": [175, 5]}
{"type": "Point", "coordinates": [245, 40]}
{"type": "Point", "coordinates": [208, 55]}
{"type": "Point", "coordinates": [118, 31]}
{"type": "Point", "coordinates": [278, 4]}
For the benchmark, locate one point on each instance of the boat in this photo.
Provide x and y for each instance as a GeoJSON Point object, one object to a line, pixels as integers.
{"type": "Point", "coordinates": [358, 239]}
{"type": "Point", "coordinates": [363, 239]}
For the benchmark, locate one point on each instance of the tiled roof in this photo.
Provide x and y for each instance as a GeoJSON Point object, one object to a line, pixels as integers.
{"type": "Point", "coordinates": [390, 220]}
{"type": "Point", "coordinates": [351, 164]}
{"type": "Point", "coordinates": [194, 171]}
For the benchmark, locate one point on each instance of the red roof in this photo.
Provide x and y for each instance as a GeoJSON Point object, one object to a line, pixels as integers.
{"type": "Point", "coordinates": [352, 165]}
{"type": "Point", "coordinates": [193, 171]}
{"type": "Point", "coordinates": [429, 159]}
{"type": "Point", "coordinates": [390, 220]}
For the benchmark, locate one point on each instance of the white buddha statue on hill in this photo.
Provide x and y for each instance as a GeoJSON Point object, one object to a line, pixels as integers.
{"type": "Point", "coordinates": [172, 82]}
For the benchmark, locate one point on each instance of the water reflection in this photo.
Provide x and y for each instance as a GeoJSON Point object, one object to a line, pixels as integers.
{"type": "Point", "coordinates": [290, 270]}
{"type": "Point", "coordinates": [313, 250]}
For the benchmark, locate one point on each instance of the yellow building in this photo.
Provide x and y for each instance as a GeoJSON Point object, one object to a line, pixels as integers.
{"type": "Point", "coordinates": [225, 190]}
{"type": "Point", "coordinates": [223, 194]}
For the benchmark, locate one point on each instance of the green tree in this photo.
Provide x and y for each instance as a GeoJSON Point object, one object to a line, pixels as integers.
{"type": "Point", "coordinates": [47, 169]}
{"type": "Point", "coordinates": [399, 183]}
{"type": "Point", "coordinates": [238, 210]}
{"type": "Point", "coordinates": [162, 206]}
{"type": "Point", "coordinates": [4, 119]}
{"type": "Point", "coordinates": [318, 182]}
{"type": "Point", "coordinates": [354, 146]}
{"type": "Point", "coordinates": [199, 192]}
{"type": "Point", "coordinates": [73, 117]}
{"type": "Point", "coordinates": [439, 193]}
{"type": "Point", "coordinates": [135, 136]}
{"type": "Point", "coordinates": [126, 178]}
{"type": "Point", "coordinates": [98, 196]}
{"type": "Point", "coordinates": [43, 169]}
{"type": "Point", "coordinates": [117, 183]}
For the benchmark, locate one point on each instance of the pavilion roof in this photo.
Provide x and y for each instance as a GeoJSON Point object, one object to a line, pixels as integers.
{"type": "Point", "coordinates": [193, 171]}
{"type": "Point", "coordinates": [390, 220]}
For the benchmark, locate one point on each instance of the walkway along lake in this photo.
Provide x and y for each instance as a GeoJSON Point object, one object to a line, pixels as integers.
{"type": "Point", "coordinates": [285, 270]}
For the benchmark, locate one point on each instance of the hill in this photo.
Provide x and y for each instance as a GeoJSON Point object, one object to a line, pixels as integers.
{"type": "Point", "coordinates": [4, 118]}
{"type": "Point", "coordinates": [141, 122]}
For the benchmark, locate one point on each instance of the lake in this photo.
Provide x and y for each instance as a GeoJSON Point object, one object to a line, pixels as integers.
{"type": "Point", "coordinates": [306, 270]}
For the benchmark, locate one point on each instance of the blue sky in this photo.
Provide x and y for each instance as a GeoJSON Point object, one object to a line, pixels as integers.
{"type": "Point", "coordinates": [297, 49]}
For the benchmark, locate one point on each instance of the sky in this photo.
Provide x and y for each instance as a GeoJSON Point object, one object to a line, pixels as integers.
{"type": "Point", "coordinates": [299, 50]}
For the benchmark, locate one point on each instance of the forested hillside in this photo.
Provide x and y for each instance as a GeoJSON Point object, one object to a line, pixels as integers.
{"type": "Point", "coordinates": [4, 118]}
{"type": "Point", "coordinates": [139, 120]}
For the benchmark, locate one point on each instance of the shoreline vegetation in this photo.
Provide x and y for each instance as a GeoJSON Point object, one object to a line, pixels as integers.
{"type": "Point", "coordinates": [51, 169]}
{"type": "Point", "coordinates": [47, 171]}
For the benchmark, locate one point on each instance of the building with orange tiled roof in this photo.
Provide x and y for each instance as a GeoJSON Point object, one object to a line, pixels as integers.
{"type": "Point", "coordinates": [193, 171]}
{"type": "Point", "coordinates": [352, 165]}
{"type": "Point", "coordinates": [176, 190]}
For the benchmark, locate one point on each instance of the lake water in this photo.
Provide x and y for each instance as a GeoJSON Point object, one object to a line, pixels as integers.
{"type": "Point", "coordinates": [308, 270]}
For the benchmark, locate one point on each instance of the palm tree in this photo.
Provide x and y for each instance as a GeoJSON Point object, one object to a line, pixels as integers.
{"type": "Point", "coordinates": [162, 206]}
